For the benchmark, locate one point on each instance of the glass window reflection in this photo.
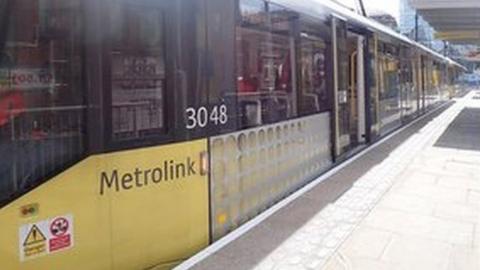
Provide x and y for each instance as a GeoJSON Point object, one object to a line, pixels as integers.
{"type": "Point", "coordinates": [41, 91]}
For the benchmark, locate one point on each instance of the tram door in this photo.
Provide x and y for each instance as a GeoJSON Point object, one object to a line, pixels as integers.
{"type": "Point", "coordinates": [350, 90]}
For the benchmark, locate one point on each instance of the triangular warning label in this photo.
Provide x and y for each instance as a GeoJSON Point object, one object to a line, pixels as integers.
{"type": "Point", "coordinates": [34, 236]}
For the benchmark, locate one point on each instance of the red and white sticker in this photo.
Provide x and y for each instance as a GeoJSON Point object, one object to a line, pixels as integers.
{"type": "Point", "coordinates": [61, 235]}
{"type": "Point", "coordinates": [46, 237]}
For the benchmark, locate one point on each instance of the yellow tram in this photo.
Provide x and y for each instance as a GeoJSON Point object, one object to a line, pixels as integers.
{"type": "Point", "coordinates": [134, 133]}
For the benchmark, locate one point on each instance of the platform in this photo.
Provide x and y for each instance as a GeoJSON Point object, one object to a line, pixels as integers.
{"type": "Point", "coordinates": [412, 201]}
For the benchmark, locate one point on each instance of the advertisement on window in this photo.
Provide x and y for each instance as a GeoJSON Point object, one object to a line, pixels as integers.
{"type": "Point", "coordinates": [137, 93]}
{"type": "Point", "coordinates": [26, 79]}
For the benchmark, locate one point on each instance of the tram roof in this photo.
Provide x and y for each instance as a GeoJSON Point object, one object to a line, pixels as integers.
{"type": "Point", "coordinates": [316, 7]}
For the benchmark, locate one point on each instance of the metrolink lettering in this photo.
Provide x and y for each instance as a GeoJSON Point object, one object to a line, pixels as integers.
{"type": "Point", "coordinates": [170, 171]}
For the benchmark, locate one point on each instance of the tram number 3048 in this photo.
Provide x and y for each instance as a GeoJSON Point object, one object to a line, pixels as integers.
{"type": "Point", "coordinates": [201, 117]}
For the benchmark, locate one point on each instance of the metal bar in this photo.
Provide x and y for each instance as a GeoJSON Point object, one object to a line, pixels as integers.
{"type": "Point", "coordinates": [48, 109]}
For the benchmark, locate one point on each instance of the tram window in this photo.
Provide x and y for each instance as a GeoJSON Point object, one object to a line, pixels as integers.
{"type": "Point", "coordinates": [221, 62]}
{"type": "Point", "coordinates": [390, 70]}
{"type": "Point", "coordinates": [41, 91]}
{"type": "Point", "coordinates": [343, 61]}
{"type": "Point", "coordinates": [137, 70]}
{"type": "Point", "coordinates": [314, 54]}
{"type": "Point", "coordinates": [253, 12]}
{"type": "Point", "coordinates": [343, 99]}
{"type": "Point", "coordinates": [390, 107]}
{"type": "Point", "coordinates": [264, 63]}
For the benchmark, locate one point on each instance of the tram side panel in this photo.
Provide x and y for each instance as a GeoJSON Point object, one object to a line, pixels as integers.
{"type": "Point", "coordinates": [127, 210]}
{"type": "Point", "coordinates": [71, 193]}
{"type": "Point", "coordinates": [255, 168]}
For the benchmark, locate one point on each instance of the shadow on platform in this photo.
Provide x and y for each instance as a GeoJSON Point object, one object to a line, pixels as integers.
{"type": "Point", "coordinates": [464, 132]}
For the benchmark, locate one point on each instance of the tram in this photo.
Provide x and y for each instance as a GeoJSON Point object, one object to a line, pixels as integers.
{"type": "Point", "coordinates": [134, 133]}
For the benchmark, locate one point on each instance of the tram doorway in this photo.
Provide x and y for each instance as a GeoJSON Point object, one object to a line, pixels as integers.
{"type": "Point", "coordinates": [350, 91]}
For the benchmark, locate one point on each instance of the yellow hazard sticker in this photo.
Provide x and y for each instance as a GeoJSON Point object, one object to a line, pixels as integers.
{"type": "Point", "coordinates": [32, 240]}
{"type": "Point", "coordinates": [35, 243]}
{"type": "Point", "coordinates": [45, 237]}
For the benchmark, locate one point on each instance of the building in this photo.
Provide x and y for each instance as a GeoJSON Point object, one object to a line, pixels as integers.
{"type": "Point", "coordinates": [383, 18]}
{"type": "Point", "coordinates": [423, 33]}
{"type": "Point", "coordinates": [455, 22]}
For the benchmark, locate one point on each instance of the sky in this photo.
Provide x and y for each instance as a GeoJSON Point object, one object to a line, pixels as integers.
{"type": "Point", "coordinates": [390, 6]}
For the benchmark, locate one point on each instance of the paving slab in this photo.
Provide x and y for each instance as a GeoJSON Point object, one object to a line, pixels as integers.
{"type": "Point", "coordinates": [433, 209]}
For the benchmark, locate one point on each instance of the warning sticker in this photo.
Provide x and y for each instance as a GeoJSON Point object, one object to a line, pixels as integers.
{"type": "Point", "coordinates": [61, 235]}
{"type": "Point", "coordinates": [35, 243]}
{"type": "Point", "coordinates": [45, 237]}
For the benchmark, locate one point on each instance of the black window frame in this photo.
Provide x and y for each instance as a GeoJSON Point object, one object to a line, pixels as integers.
{"type": "Point", "coordinates": [168, 134]}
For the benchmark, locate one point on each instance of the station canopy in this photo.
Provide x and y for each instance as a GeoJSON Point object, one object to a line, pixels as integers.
{"type": "Point", "coordinates": [456, 21]}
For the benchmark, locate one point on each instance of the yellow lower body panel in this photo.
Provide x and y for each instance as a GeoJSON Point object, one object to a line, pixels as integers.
{"type": "Point", "coordinates": [127, 210]}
